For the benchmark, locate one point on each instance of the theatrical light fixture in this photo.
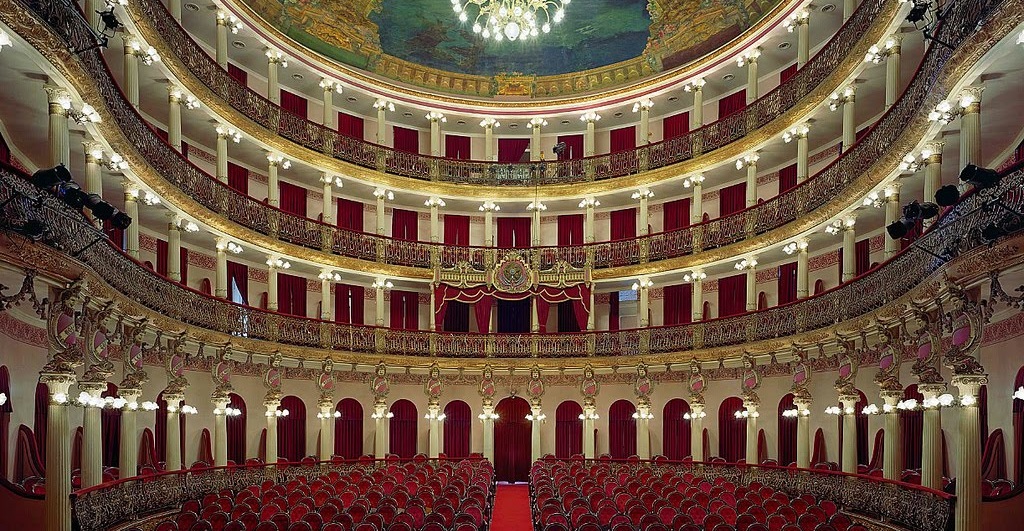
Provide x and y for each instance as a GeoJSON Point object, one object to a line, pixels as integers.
{"type": "Point", "coordinates": [910, 164]}
{"type": "Point", "coordinates": [434, 201]}
{"type": "Point", "coordinates": [746, 263]}
{"type": "Point", "coordinates": [837, 99]}
{"type": "Point", "coordinates": [489, 206]}
{"type": "Point", "coordinates": [643, 416]}
{"type": "Point", "coordinates": [796, 19]}
{"type": "Point", "coordinates": [147, 54]}
{"type": "Point", "coordinates": [590, 116]}
{"type": "Point", "coordinates": [979, 177]}
{"type": "Point", "coordinates": [491, 122]}
{"type": "Point", "coordinates": [912, 213]}
{"type": "Point", "coordinates": [747, 57]}
{"type": "Point", "coordinates": [840, 225]}
{"type": "Point", "coordinates": [435, 416]}
{"type": "Point", "coordinates": [943, 400]}
{"type": "Point", "coordinates": [382, 283]}
{"type": "Point", "coordinates": [87, 114]}
{"type": "Point", "coordinates": [57, 180]}
{"type": "Point", "coordinates": [589, 416]}
{"type": "Point", "coordinates": [5, 40]}
{"type": "Point", "coordinates": [746, 414]}
{"type": "Point", "coordinates": [992, 232]}
{"type": "Point", "coordinates": [643, 194]}
{"type": "Point", "coordinates": [384, 104]}
{"type": "Point", "coordinates": [833, 410]}
{"type": "Point", "coordinates": [695, 85]}
{"type": "Point", "coordinates": [279, 263]}
{"type": "Point", "coordinates": [589, 202]}
{"type": "Point", "coordinates": [228, 412]}
{"type": "Point", "coordinates": [870, 409]}
{"type": "Point", "coordinates": [694, 276]}
{"type": "Point", "coordinates": [329, 85]}
{"type": "Point", "coordinates": [795, 133]}
{"type": "Point", "coordinates": [333, 180]}
{"type": "Point", "coordinates": [226, 131]}
{"type": "Point", "coordinates": [795, 412]}
{"type": "Point", "coordinates": [277, 413]}
{"type": "Point", "coordinates": [46, 179]}
{"type": "Point", "coordinates": [511, 19]}
{"type": "Point", "coordinates": [487, 416]}
{"type": "Point", "coordinates": [536, 206]}
{"type": "Point", "coordinates": [876, 54]}
{"type": "Point", "coordinates": [335, 415]}
{"type": "Point", "coordinates": [379, 416]}
{"type": "Point", "coordinates": [947, 195]}
{"type": "Point", "coordinates": [381, 193]}
{"type": "Point", "coordinates": [559, 148]}
{"type": "Point", "coordinates": [693, 180]}
{"type": "Point", "coordinates": [333, 276]}
{"type": "Point", "coordinates": [150, 406]}
{"type": "Point", "coordinates": [747, 160]}
{"type": "Point", "coordinates": [968, 400]}
{"type": "Point", "coordinates": [645, 104]}
{"type": "Point", "coordinates": [536, 122]}
{"type": "Point", "coordinates": [643, 283]}
{"type": "Point", "coordinates": [909, 404]}
{"type": "Point", "coordinates": [230, 21]}
{"type": "Point", "coordinates": [435, 116]}
{"type": "Point", "coordinates": [692, 416]}
{"type": "Point", "coordinates": [278, 160]}
{"type": "Point", "coordinates": [275, 56]}
{"type": "Point", "coordinates": [794, 247]}
{"type": "Point", "coordinates": [229, 246]}
{"type": "Point", "coordinates": [538, 417]}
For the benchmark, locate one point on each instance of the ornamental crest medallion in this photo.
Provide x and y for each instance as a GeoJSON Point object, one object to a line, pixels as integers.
{"type": "Point", "coordinates": [535, 387]}
{"type": "Point", "coordinates": [433, 386]}
{"type": "Point", "coordinates": [487, 389]}
{"type": "Point", "coordinates": [512, 274]}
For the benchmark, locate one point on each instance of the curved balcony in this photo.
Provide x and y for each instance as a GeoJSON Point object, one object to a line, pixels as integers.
{"type": "Point", "coordinates": [156, 22]}
{"type": "Point", "coordinates": [956, 233]}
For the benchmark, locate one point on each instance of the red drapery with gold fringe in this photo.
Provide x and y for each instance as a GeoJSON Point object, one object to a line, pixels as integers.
{"type": "Point", "coordinates": [483, 297]}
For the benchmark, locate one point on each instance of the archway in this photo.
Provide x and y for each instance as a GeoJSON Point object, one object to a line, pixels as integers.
{"type": "Point", "coordinates": [675, 438]}
{"type": "Point", "coordinates": [568, 430]}
{"type": "Point", "coordinates": [458, 429]}
{"type": "Point", "coordinates": [402, 429]}
{"type": "Point", "coordinates": [512, 455]}
{"type": "Point", "coordinates": [621, 429]}
{"type": "Point", "coordinates": [291, 430]}
{"type": "Point", "coordinates": [348, 429]}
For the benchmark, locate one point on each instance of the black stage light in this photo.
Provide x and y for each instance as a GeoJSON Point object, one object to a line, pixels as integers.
{"type": "Point", "coordinates": [917, 12]}
{"type": "Point", "coordinates": [899, 228]}
{"type": "Point", "coordinates": [979, 177]}
{"type": "Point", "coordinates": [120, 220]}
{"type": "Point", "coordinates": [33, 229]}
{"type": "Point", "coordinates": [929, 210]}
{"type": "Point", "coordinates": [46, 179]}
{"type": "Point", "coordinates": [559, 148]}
{"type": "Point", "coordinates": [100, 208]}
{"type": "Point", "coordinates": [992, 232]}
{"type": "Point", "coordinates": [109, 21]}
{"type": "Point", "coordinates": [912, 210]}
{"type": "Point", "coordinates": [72, 194]}
{"type": "Point", "coordinates": [947, 195]}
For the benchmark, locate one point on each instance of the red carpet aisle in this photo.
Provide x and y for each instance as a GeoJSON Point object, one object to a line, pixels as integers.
{"type": "Point", "coordinates": [511, 509]}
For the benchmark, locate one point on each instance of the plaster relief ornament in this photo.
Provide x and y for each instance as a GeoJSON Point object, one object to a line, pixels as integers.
{"type": "Point", "coordinates": [272, 378]}
{"type": "Point", "coordinates": [487, 389]}
{"type": "Point", "coordinates": [133, 351]}
{"type": "Point", "coordinates": [750, 381]}
{"type": "Point", "coordinates": [888, 376]}
{"type": "Point", "coordinates": [512, 274]}
{"type": "Point", "coordinates": [849, 361]}
{"type": "Point", "coordinates": [929, 346]}
{"type": "Point", "coordinates": [174, 365]}
{"type": "Point", "coordinates": [325, 382]}
{"type": "Point", "coordinates": [433, 386]}
{"type": "Point", "coordinates": [535, 387]}
{"type": "Point", "coordinates": [696, 383]}
{"type": "Point", "coordinates": [589, 387]}
{"type": "Point", "coordinates": [98, 347]}
{"type": "Point", "coordinates": [379, 385]}
{"type": "Point", "coordinates": [801, 377]}
{"type": "Point", "coordinates": [64, 328]}
{"type": "Point", "coordinates": [221, 373]}
{"type": "Point", "coordinates": [643, 386]}
{"type": "Point", "coordinates": [967, 320]}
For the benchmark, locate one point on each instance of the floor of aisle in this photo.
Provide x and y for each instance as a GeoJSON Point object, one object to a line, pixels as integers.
{"type": "Point", "coordinates": [511, 508]}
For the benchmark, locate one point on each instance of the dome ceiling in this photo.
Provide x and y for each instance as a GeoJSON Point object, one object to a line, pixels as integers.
{"type": "Point", "coordinates": [599, 44]}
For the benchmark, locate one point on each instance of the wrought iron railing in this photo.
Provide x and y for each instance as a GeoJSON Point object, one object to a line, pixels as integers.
{"type": "Point", "coordinates": [925, 90]}
{"type": "Point", "coordinates": [959, 230]}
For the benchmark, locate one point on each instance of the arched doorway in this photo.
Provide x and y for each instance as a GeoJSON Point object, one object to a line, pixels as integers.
{"type": "Point", "coordinates": [568, 430]}
{"type": "Point", "coordinates": [512, 454]}
{"type": "Point", "coordinates": [348, 429]}
{"type": "Point", "coordinates": [458, 429]}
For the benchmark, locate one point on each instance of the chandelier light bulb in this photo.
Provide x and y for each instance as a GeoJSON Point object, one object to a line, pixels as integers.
{"type": "Point", "coordinates": [694, 85]}
{"type": "Point", "coordinates": [642, 194]}
{"type": "Point", "coordinates": [489, 206]}
{"type": "Point", "coordinates": [5, 40]}
{"type": "Point", "coordinates": [3, 398]}
{"type": "Point", "coordinates": [694, 276]}
{"type": "Point", "coordinates": [589, 202]}
{"type": "Point", "coordinates": [693, 180]}
{"type": "Point", "coordinates": [537, 122]}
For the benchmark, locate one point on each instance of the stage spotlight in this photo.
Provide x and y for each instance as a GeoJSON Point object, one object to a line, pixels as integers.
{"type": "Point", "coordinates": [559, 148]}
{"type": "Point", "coordinates": [72, 194]}
{"type": "Point", "coordinates": [992, 232]}
{"type": "Point", "coordinates": [109, 21]}
{"type": "Point", "coordinates": [33, 229]}
{"type": "Point", "coordinates": [47, 179]}
{"type": "Point", "coordinates": [918, 12]}
{"type": "Point", "coordinates": [100, 208]}
{"type": "Point", "coordinates": [120, 220]}
{"type": "Point", "coordinates": [899, 228]}
{"type": "Point", "coordinates": [979, 177]}
{"type": "Point", "coordinates": [947, 195]}
{"type": "Point", "coordinates": [929, 210]}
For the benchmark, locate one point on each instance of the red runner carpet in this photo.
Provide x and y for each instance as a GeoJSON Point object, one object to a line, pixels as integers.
{"type": "Point", "coordinates": [511, 509]}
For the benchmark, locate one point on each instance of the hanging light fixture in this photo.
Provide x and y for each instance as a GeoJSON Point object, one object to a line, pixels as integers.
{"type": "Point", "coordinates": [511, 19]}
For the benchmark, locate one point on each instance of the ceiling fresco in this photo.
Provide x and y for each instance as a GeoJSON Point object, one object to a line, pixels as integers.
{"type": "Point", "coordinates": [422, 42]}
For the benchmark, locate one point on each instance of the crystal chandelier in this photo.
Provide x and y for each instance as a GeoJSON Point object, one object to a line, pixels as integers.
{"type": "Point", "coordinates": [511, 19]}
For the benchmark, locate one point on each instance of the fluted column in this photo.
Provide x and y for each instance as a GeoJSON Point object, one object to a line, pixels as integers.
{"type": "Point", "coordinates": [849, 6]}
{"type": "Point", "coordinates": [225, 23]}
{"type": "Point", "coordinates": [272, 300]}
{"type": "Point", "coordinates": [221, 284]}
{"type": "Point", "coordinates": [849, 459]}
{"type": "Point", "coordinates": [536, 419]}
{"type": "Point", "coordinates": [803, 41]}
{"type": "Point", "coordinates": [436, 119]}
{"type": "Point", "coordinates": [173, 442]}
{"type": "Point", "coordinates": [800, 133]}
{"type": "Point", "coordinates": [380, 194]}
{"type": "Point", "coordinates": [128, 451]}
{"type": "Point", "coordinates": [378, 287]}
{"type": "Point", "coordinates": [57, 503]}
{"type": "Point", "coordinates": [697, 115]}
{"type": "Point", "coordinates": [749, 267]}
{"type": "Point", "coordinates": [803, 432]}
{"type": "Point", "coordinates": [752, 414]}
{"type": "Point", "coordinates": [802, 280]}
{"type": "Point", "coordinates": [329, 181]}
{"type": "Point", "coordinates": [535, 208]}
{"type": "Point", "coordinates": [274, 163]}
{"type": "Point", "coordinates": [326, 294]}
{"type": "Point", "coordinates": [697, 295]}
{"type": "Point", "coordinates": [131, 70]}
{"type": "Point", "coordinates": [535, 126]}
{"type": "Point", "coordinates": [490, 154]}
{"type": "Point", "coordinates": [751, 164]}
{"type": "Point", "coordinates": [697, 202]}
{"type": "Point", "coordinates": [849, 99]}
{"type": "Point", "coordinates": [589, 204]}
{"type": "Point", "coordinates": [275, 61]}
{"type": "Point", "coordinates": [488, 208]}
{"type": "Point", "coordinates": [92, 439]}
{"type": "Point", "coordinates": [224, 133]}
{"type": "Point", "coordinates": [892, 213]}
{"type": "Point", "coordinates": [590, 118]}
{"type": "Point", "coordinates": [968, 458]}
{"type": "Point", "coordinates": [970, 127]}
{"type": "Point", "coordinates": [131, 208]}
{"type": "Point", "coordinates": [892, 70]}
{"type": "Point", "coordinates": [326, 418]}
{"type": "Point", "coordinates": [643, 220]}
{"type": "Point", "coordinates": [174, 97]}
{"type": "Point", "coordinates": [381, 417]}
{"type": "Point", "coordinates": [931, 436]}
{"type": "Point", "coordinates": [697, 415]}
{"type": "Point", "coordinates": [329, 87]}
{"type": "Point", "coordinates": [589, 444]}
{"type": "Point", "coordinates": [93, 168]}
{"type": "Point", "coordinates": [751, 62]}
{"type": "Point", "coordinates": [643, 417]}
{"type": "Point", "coordinates": [220, 430]}
{"type": "Point", "coordinates": [435, 203]}
{"type": "Point", "coordinates": [892, 453]}
{"type": "Point", "coordinates": [91, 11]}
{"type": "Point", "coordinates": [644, 130]}
{"type": "Point", "coordinates": [382, 106]}
{"type": "Point", "coordinates": [433, 430]}
{"type": "Point", "coordinates": [932, 155]}
{"type": "Point", "coordinates": [642, 287]}
{"type": "Point", "coordinates": [271, 446]}
{"type": "Point", "coordinates": [175, 8]}
{"type": "Point", "coordinates": [487, 417]}
{"type": "Point", "coordinates": [849, 248]}
{"type": "Point", "coordinates": [59, 102]}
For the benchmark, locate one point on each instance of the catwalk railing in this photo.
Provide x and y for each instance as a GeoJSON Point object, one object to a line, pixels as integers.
{"type": "Point", "coordinates": [322, 139]}
{"type": "Point", "coordinates": [903, 504]}
{"type": "Point", "coordinates": [131, 499]}
{"type": "Point", "coordinates": [926, 89]}
{"type": "Point", "coordinates": [956, 232]}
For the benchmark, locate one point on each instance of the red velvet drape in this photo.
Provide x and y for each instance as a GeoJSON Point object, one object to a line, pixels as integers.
{"type": "Point", "coordinates": [573, 147]}
{"type": "Point", "coordinates": [348, 429]}
{"type": "Point", "coordinates": [676, 214]}
{"type": "Point", "coordinates": [116, 235]}
{"type": "Point", "coordinates": [294, 104]}
{"type": "Point", "coordinates": [513, 149]}
{"type": "Point", "coordinates": [568, 430]}
{"type": "Point", "coordinates": [732, 199]}
{"type": "Point", "coordinates": [456, 317]}
{"type": "Point", "coordinates": [787, 432]}
{"type": "Point", "coordinates": [621, 429]}
{"type": "Point", "coordinates": [458, 428]}
{"type": "Point", "coordinates": [293, 199]}
{"type": "Point", "coordinates": [613, 311]}
{"type": "Point", "coordinates": [236, 430]}
{"type": "Point", "coordinates": [456, 230]}
{"type": "Point", "coordinates": [787, 178]}
{"type": "Point", "coordinates": [349, 304]}
{"type": "Point", "coordinates": [787, 283]}
{"type": "Point", "coordinates": [457, 147]}
{"type": "Point", "coordinates": [678, 304]}
{"type": "Point", "coordinates": [238, 275]}
{"type": "Point", "coordinates": [161, 257]}
{"type": "Point", "coordinates": [911, 430]}
{"type": "Point", "coordinates": [404, 310]}
{"type": "Point", "coordinates": [482, 311]}
{"type": "Point", "coordinates": [862, 256]}
{"type": "Point", "coordinates": [732, 295]}
{"type": "Point", "coordinates": [238, 74]}
{"type": "Point", "coordinates": [623, 139]}
{"type": "Point", "coordinates": [402, 428]}
{"type": "Point", "coordinates": [291, 430]}
{"type": "Point", "coordinates": [350, 126]}
{"type": "Point", "coordinates": [291, 294]}
{"type": "Point", "coordinates": [404, 224]}
{"type": "Point", "coordinates": [110, 430]}
{"type": "Point", "coordinates": [732, 432]}
{"type": "Point", "coordinates": [513, 316]}
{"type": "Point", "coordinates": [732, 103]}
{"type": "Point", "coordinates": [350, 214]}
{"type": "Point", "coordinates": [787, 73]}
{"type": "Point", "coordinates": [676, 125]}
{"type": "Point", "coordinates": [513, 431]}
{"type": "Point", "coordinates": [623, 224]}
{"type": "Point", "coordinates": [514, 233]}
{"type": "Point", "coordinates": [238, 178]}
{"type": "Point", "coordinates": [406, 140]}
{"type": "Point", "coordinates": [675, 438]}
{"type": "Point", "coordinates": [570, 229]}
{"type": "Point", "coordinates": [1018, 429]}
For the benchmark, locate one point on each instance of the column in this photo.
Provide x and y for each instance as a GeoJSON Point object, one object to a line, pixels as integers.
{"type": "Point", "coordinates": [803, 432]}
{"type": "Point", "coordinates": [849, 6]}
{"type": "Point", "coordinates": [435, 203]}
{"type": "Point", "coordinates": [535, 126]}
{"type": "Point", "coordinates": [174, 97]}
{"type": "Point", "coordinates": [800, 133]}
{"type": "Point", "coordinates": [225, 23]}
{"type": "Point", "coordinates": [932, 155]}
{"type": "Point", "coordinates": [892, 459]}
{"type": "Point", "coordinates": [931, 436]}
{"type": "Point", "coordinates": [847, 100]}
{"type": "Point", "coordinates": [128, 451]}
{"type": "Point", "coordinates": [329, 87]}
{"type": "Point", "coordinates": [697, 295]}
{"type": "Point", "coordinates": [489, 152]}
{"type": "Point", "coordinates": [643, 430]}
{"type": "Point", "coordinates": [589, 416]}
{"type": "Point", "coordinates": [220, 430]}
{"type": "Point", "coordinates": [378, 287]}
{"type": "Point", "coordinates": [380, 433]}
{"type": "Point", "coordinates": [93, 171]}
{"type": "Point", "coordinates": [802, 290]}
{"type": "Point", "coordinates": [590, 118]}
{"type": "Point", "coordinates": [644, 107]}
{"type": "Point", "coordinates": [175, 8]}
{"type": "Point", "coordinates": [272, 299]}
{"type": "Point", "coordinates": [91, 8]}
{"type": "Point", "coordinates": [131, 69]}
{"type": "Point", "coordinates": [750, 58]}
{"type": "Point", "coordinates": [92, 440]}
{"type": "Point", "coordinates": [970, 126]}
{"type": "Point", "coordinates": [749, 266]}
{"type": "Point", "coordinates": [436, 119]}
{"type": "Point", "coordinates": [751, 164]}
{"type": "Point", "coordinates": [535, 209]}
{"type": "Point", "coordinates": [488, 208]}
{"type": "Point", "coordinates": [697, 114]}
{"type": "Point", "coordinates": [274, 163]}
{"type": "Point", "coordinates": [536, 419]}
{"type": "Point", "coordinates": [803, 43]}
{"type": "Point", "coordinates": [697, 202]}
{"type": "Point", "coordinates": [224, 133]}
{"type": "Point", "coordinates": [326, 417]}
{"type": "Point", "coordinates": [849, 248]}
{"type": "Point", "coordinates": [57, 504]}
{"type": "Point", "coordinates": [380, 194]}
{"type": "Point", "coordinates": [968, 458]}
{"type": "Point", "coordinates": [752, 414]}
{"type": "Point", "coordinates": [697, 415]}
{"type": "Point", "coordinates": [643, 219]}
{"type": "Point", "coordinates": [892, 69]}
{"type": "Point", "coordinates": [382, 107]}
{"type": "Point", "coordinates": [892, 213]}
{"type": "Point", "coordinates": [487, 417]}
{"type": "Point", "coordinates": [131, 207]}
{"type": "Point", "coordinates": [433, 430]}
{"type": "Point", "coordinates": [589, 203]}
{"type": "Point", "coordinates": [271, 449]}
{"type": "Point", "coordinates": [275, 61]}
{"type": "Point", "coordinates": [59, 102]}
{"type": "Point", "coordinates": [221, 285]}
{"type": "Point", "coordinates": [642, 288]}
{"type": "Point", "coordinates": [326, 304]}
{"type": "Point", "coordinates": [173, 441]}
{"type": "Point", "coordinates": [849, 450]}
{"type": "Point", "coordinates": [329, 182]}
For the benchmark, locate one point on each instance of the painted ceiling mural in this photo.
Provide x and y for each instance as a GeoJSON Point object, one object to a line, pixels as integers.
{"type": "Point", "coordinates": [600, 43]}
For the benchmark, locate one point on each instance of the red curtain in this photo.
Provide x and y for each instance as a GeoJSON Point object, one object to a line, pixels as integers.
{"type": "Point", "coordinates": [570, 229]}
{"type": "Point", "coordinates": [236, 430]}
{"type": "Point", "coordinates": [238, 275]}
{"type": "Point", "coordinates": [573, 147]}
{"type": "Point", "coordinates": [238, 178]}
{"type": "Point", "coordinates": [862, 255]}
{"type": "Point", "coordinates": [161, 257]}
{"type": "Point", "coordinates": [623, 224]}
{"type": "Point", "coordinates": [293, 199]}
{"type": "Point", "coordinates": [184, 265]}
{"type": "Point", "coordinates": [513, 316]}
{"type": "Point", "coordinates": [621, 429]}
{"type": "Point", "coordinates": [294, 104]}
{"type": "Point", "coordinates": [624, 139]}
{"type": "Point", "coordinates": [911, 430]}
{"type": "Point", "coordinates": [402, 428]}
{"type": "Point", "coordinates": [514, 233]}
{"type": "Point", "coordinates": [732, 103]}
{"type": "Point", "coordinates": [291, 294]}
{"type": "Point", "coordinates": [676, 214]}
{"type": "Point", "coordinates": [116, 235]}
{"type": "Point", "coordinates": [5, 153]}
{"type": "Point", "coordinates": [568, 430]}
{"type": "Point", "coordinates": [456, 317]}
{"type": "Point", "coordinates": [678, 304]}
{"type": "Point", "coordinates": [407, 140]}
{"type": "Point", "coordinates": [238, 74]}
{"type": "Point", "coordinates": [567, 321]}
{"type": "Point", "coordinates": [457, 147]}
{"type": "Point", "coordinates": [5, 418]}
{"type": "Point", "coordinates": [676, 125]}
{"type": "Point", "coordinates": [404, 224]}
{"type": "Point", "coordinates": [350, 214]}
{"type": "Point", "coordinates": [405, 310]}
{"type": "Point", "coordinates": [732, 432]}
{"type": "Point", "coordinates": [348, 429]}
{"type": "Point", "coordinates": [291, 430]}
{"type": "Point", "coordinates": [787, 283]}
{"type": "Point", "coordinates": [613, 311]}
{"type": "Point", "coordinates": [732, 295]}
{"type": "Point", "coordinates": [456, 230]}
{"type": "Point", "coordinates": [458, 427]}
{"type": "Point", "coordinates": [349, 304]}
{"type": "Point", "coordinates": [787, 432]}
{"type": "Point", "coordinates": [787, 73]}
{"type": "Point", "coordinates": [482, 310]}
{"type": "Point", "coordinates": [513, 149]}
{"type": "Point", "coordinates": [350, 126]}
{"type": "Point", "coordinates": [1018, 429]}
{"type": "Point", "coordinates": [110, 431]}
{"type": "Point", "coordinates": [787, 178]}
{"type": "Point", "coordinates": [513, 431]}
{"type": "Point", "coordinates": [675, 438]}
{"type": "Point", "coordinates": [732, 199]}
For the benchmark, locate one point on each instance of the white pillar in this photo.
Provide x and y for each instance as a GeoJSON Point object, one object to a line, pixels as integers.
{"type": "Point", "coordinates": [326, 417]}
{"type": "Point", "coordinates": [803, 433]}
{"type": "Point", "coordinates": [697, 296]}
{"type": "Point", "coordinates": [224, 133]}
{"type": "Point", "coordinates": [487, 417]}
{"type": "Point", "coordinates": [803, 42]}
{"type": "Point", "coordinates": [849, 464]}
{"type": "Point", "coordinates": [536, 420]}
{"type": "Point", "coordinates": [172, 444]}
{"type": "Point", "coordinates": [59, 101]}
{"type": "Point", "coordinates": [849, 248]}
{"type": "Point", "coordinates": [329, 87]}
{"type": "Point", "coordinates": [849, 99]}
{"type": "Point", "coordinates": [642, 287]}
{"type": "Point", "coordinates": [436, 119]}
{"type": "Point", "coordinates": [93, 170]}
{"type": "Point", "coordinates": [381, 417]}
{"type": "Point", "coordinates": [490, 154]}
{"type": "Point", "coordinates": [224, 25]}
{"type": "Point", "coordinates": [220, 430]}
{"type": "Point", "coordinates": [131, 208]}
{"type": "Point", "coordinates": [92, 440]}
{"type": "Point", "coordinates": [588, 219]}
{"type": "Point", "coordinates": [849, 6]}
{"type": "Point", "coordinates": [271, 446]}
{"type": "Point", "coordinates": [697, 115]}
{"type": "Point", "coordinates": [128, 451]}
{"type": "Point", "coordinates": [91, 8]}
{"type": "Point", "coordinates": [175, 7]}
{"type": "Point", "coordinates": [379, 297]}
{"type": "Point", "coordinates": [57, 503]}
{"type": "Point", "coordinates": [892, 70]}
{"type": "Point", "coordinates": [970, 127]}
{"type": "Point", "coordinates": [589, 416]}
{"type": "Point", "coordinates": [931, 437]}
{"type": "Point", "coordinates": [751, 165]}
{"type": "Point", "coordinates": [802, 153]}
{"type": "Point", "coordinates": [535, 126]}
{"type": "Point", "coordinates": [433, 430]}
{"type": "Point", "coordinates": [697, 431]}
{"type": "Point", "coordinates": [643, 431]}
{"type": "Point", "coordinates": [932, 154]}
{"type": "Point", "coordinates": [326, 293]}
{"type": "Point", "coordinates": [488, 208]}
{"type": "Point", "coordinates": [380, 194]}
{"type": "Point", "coordinates": [644, 108]}
{"type": "Point", "coordinates": [968, 450]}
{"type": "Point", "coordinates": [535, 215]}
{"type": "Point", "coordinates": [643, 220]}
{"type": "Point", "coordinates": [272, 300]}
{"type": "Point", "coordinates": [382, 107]}
{"type": "Point", "coordinates": [892, 213]}
{"type": "Point", "coordinates": [274, 163]}
{"type": "Point", "coordinates": [590, 118]}
{"type": "Point", "coordinates": [131, 69]}
{"type": "Point", "coordinates": [329, 210]}
{"type": "Point", "coordinates": [751, 272]}
{"type": "Point", "coordinates": [697, 202]}
{"type": "Point", "coordinates": [221, 284]}
{"type": "Point", "coordinates": [751, 453]}
{"type": "Point", "coordinates": [892, 451]}
{"type": "Point", "coordinates": [435, 203]}
{"type": "Point", "coordinates": [802, 280]}
{"type": "Point", "coordinates": [174, 97]}
{"type": "Point", "coordinates": [752, 75]}
{"type": "Point", "coordinates": [275, 61]}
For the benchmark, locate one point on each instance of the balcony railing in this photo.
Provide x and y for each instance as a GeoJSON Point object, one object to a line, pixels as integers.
{"type": "Point", "coordinates": [322, 139]}
{"type": "Point", "coordinates": [956, 232]}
